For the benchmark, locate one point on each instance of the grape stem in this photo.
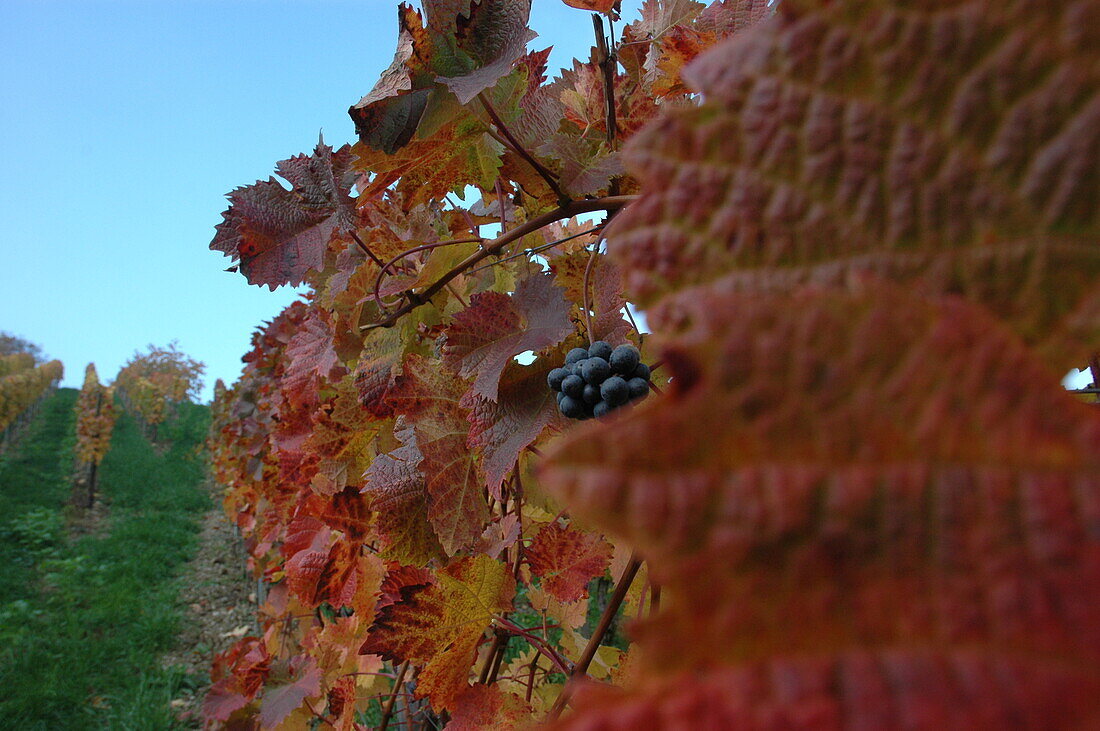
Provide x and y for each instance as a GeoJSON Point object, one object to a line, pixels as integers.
{"type": "Point", "coordinates": [567, 210]}
{"type": "Point", "coordinates": [584, 294]}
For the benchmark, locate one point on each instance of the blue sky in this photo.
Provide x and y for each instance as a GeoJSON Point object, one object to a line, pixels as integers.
{"type": "Point", "coordinates": [124, 124]}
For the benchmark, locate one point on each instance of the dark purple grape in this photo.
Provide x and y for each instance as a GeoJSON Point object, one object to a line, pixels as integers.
{"type": "Point", "coordinates": [615, 391]}
{"type": "Point", "coordinates": [573, 387]}
{"type": "Point", "coordinates": [576, 354]}
{"type": "Point", "coordinates": [638, 387]}
{"type": "Point", "coordinates": [572, 408]}
{"type": "Point", "coordinates": [642, 371]}
{"type": "Point", "coordinates": [624, 359]}
{"type": "Point", "coordinates": [591, 394]}
{"type": "Point", "coordinates": [555, 377]}
{"type": "Point", "coordinates": [559, 396]}
{"type": "Point", "coordinates": [601, 409]}
{"type": "Point", "coordinates": [575, 368]}
{"type": "Point", "coordinates": [595, 370]}
{"type": "Point", "coordinates": [600, 349]}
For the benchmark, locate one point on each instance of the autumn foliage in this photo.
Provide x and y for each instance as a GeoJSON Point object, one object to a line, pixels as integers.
{"type": "Point", "coordinates": [150, 382]}
{"type": "Point", "coordinates": [22, 383]}
{"type": "Point", "coordinates": [95, 418]}
{"type": "Point", "coordinates": [863, 235]}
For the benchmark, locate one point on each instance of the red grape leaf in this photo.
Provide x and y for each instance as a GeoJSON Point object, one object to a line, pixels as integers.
{"type": "Point", "coordinates": [499, 536]}
{"type": "Point", "coordinates": [566, 559]}
{"type": "Point", "coordinates": [670, 34]}
{"type": "Point", "coordinates": [586, 167]}
{"type": "Point", "coordinates": [835, 472]}
{"type": "Point", "coordinates": [438, 627]}
{"type": "Point", "coordinates": [280, 700]}
{"type": "Point", "coordinates": [310, 357]}
{"type": "Point", "coordinates": [466, 46]}
{"type": "Point", "coordinates": [224, 698]}
{"type": "Point", "coordinates": [396, 489]}
{"type": "Point", "coordinates": [487, 706]}
{"type": "Point", "coordinates": [607, 287]}
{"type": "Point", "coordinates": [377, 368]}
{"type": "Point", "coordinates": [920, 144]}
{"type": "Point", "coordinates": [429, 396]}
{"type": "Point", "coordinates": [496, 35]}
{"type": "Point", "coordinates": [387, 117]}
{"type": "Point", "coordinates": [495, 328]}
{"type": "Point", "coordinates": [280, 234]}
{"type": "Point", "coordinates": [238, 674]}
{"type": "Point", "coordinates": [502, 429]}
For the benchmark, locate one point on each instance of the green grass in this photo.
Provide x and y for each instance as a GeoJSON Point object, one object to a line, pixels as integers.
{"type": "Point", "coordinates": [82, 624]}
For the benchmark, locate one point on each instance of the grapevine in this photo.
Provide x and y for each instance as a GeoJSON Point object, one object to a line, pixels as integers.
{"type": "Point", "coordinates": [851, 486]}
{"type": "Point", "coordinates": [95, 418]}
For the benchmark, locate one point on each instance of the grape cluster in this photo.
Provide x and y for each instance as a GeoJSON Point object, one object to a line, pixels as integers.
{"type": "Point", "coordinates": [596, 381]}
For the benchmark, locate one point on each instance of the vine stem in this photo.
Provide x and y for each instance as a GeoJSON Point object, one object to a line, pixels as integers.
{"type": "Point", "coordinates": [607, 67]}
{"type": "Point", "coordinates": [566, 210]}
{"type": "Point", "coordinates": [594, 642]}
{"type": "Point", "coordinates": [408, 252]}
{"type": "Point", "coordinates": [536, 249]}
{"type": "Point", "coordinates": [387, 712]}
{"type": "Point", "coordinates": [586, 302]}
{"type": "Point", "coordinates": [537, 642]}
{"type": "Point", "coordinates": [323, 719]}
{"type": "Point", "coordinates": [490, 656]}
{"type": "Point", "coordinates": [549, 177]}
{"type": "Point", "coordinates": [517, 488]}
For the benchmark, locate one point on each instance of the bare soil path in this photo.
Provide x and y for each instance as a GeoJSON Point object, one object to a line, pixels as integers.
{"type": "Point", "coordinates": [220, 606]}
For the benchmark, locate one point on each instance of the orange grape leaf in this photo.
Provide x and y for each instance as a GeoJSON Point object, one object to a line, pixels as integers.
{"type": "Point", "coordinates": [429, 396]}
{"type": "Point", "coordinates": [458, 154]}
{"type": "Point", "coordinates": [438, 627]}
{"type": "Point", "coordinates": [502, 429]}
{"type": "Point", "coordinates": [280, 700]}
{"type": "Point", "coordinates": [280, 234]}
{"type": "Point", "coordinates": [487, 706]}
{"type": "Point", "coordinates": [566, 559]}
{"type": "Point", "coordinates": [495, 328]}
{"type": "Point", "coordinates": [918, 144]}
{"type": "Point", "coordinates": [396, 489]}
{"type": "Point", "coordinates": [596, 6]}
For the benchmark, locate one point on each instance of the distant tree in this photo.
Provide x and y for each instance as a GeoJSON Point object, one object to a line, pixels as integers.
{"type": "Point", "coordinates": [12, 344]}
